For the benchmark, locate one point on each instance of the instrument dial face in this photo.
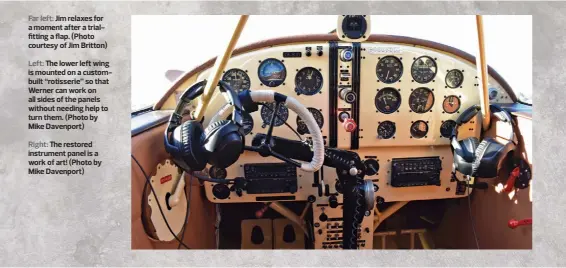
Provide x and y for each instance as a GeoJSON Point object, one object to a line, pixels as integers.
{"type": "Point", "coordinates": [386, 130]}
{"type": "Point", "coordinates": [272, 72]}
{"type": "Point", "coordinates": [308, 81]}
{"type": "Point", "coordinates": [247, 122]}
{"type": "Point", "coordinates": [451, 104]}
{"type": "Point", "coordinates": [221, 191]}
{"type": "Point", "coordinates": [388, 100]}
{"type": "Point", "coordinates": [419, 129]}
{"type": "Point", "coordinates": [318, 117]}
{"type": "Point", "coordinates": [421, 100]}
{"type": "Point", "coordinates": [423, 69]}
{"type": "Point", "coordinates": [267, 111]}
{"type": "Point", "coordinates": [454, 78]}
{"type": "Point", "coordinates": [238, 79]}
{"type": "Point", "coordinates": [389, 69]}
{"type": "Point", "coordinates": [217, 173]}
{"type": "Point", "coordinates": [372, 167]}
{"type": "Point", "coordinates": [447, 127]}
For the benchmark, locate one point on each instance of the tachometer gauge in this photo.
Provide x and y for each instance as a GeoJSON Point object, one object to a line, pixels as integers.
{"type": "Point", "coordinates": [238, 79]}
{"type": "Point", "coordinates": [389, 69]}
{"type": "Point", "coordinates": [372, 167]}
{"type": "Point", "coordinates": [421, 100]}
{"type": "Point", "coordinates": [451, 104]}
{"type": "Point", "coordinates": [247, 122]}
{"type": "Point", "coordinates": [386, 130]}
{"type": "Point", "coordinates": [318, 117]}
{"type": "Point", "coordinates": [447, 127]}
{"type": "Point", "coordinates": [419, 129]}
{"type": "Point", "coordinates": [308, 81]}
{"type": "Point", "coordinates": [423, 69]}
{"type": "Point", "coordinates": [267, 111]}
{"type": "Point", "coordinates": [387, 100]}
{"type": "Point", "coordinates": [454, 78]}
{"type": "Point", "coordinates": [272, 72]}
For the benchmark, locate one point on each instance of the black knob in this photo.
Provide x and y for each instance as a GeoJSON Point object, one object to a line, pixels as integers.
{"type": "Point", "coordinates": [333, 201]}
{"type": "Point", "coordinates": [308, 53]}
{"type": "Point", "coordinates": [379, 200]}
{"type": "Point", "coordinates": [319, 53]}
{"type": "Point", "coordinates": [323, 217]}
{"type": "Point", "coordinates": [319, 231]}
{"type": "Point", "coordinates": [311, 199]}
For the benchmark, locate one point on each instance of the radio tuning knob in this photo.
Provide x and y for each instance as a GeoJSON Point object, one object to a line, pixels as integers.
{"type": "Point", "coordinates": [333, 201]}
{"type": "Point", "coordinates": [349, 125]}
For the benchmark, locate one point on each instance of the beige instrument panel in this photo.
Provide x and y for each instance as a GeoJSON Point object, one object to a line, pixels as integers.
{"type": "Point", "coordinates": [383, 150]}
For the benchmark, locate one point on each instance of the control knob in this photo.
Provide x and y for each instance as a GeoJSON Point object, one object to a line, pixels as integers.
{"type": "Point", "coordinates": [333, 201]}
{"type": "Point", "coordinates": [349, 125]}
{"type": "Point", "coordinates": [346, 55]}
{"type": "Point", "coordinates": [347, 95]}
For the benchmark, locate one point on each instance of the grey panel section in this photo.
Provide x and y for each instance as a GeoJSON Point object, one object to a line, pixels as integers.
{"type": "Point", "coordinates": [85, 221]}
{"type": "Point", "coordinates": [148, 120]}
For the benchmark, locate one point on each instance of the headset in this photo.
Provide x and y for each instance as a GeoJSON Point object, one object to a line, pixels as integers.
{"type": "Point", "coordinates": [193, 146]}
{"type": "Point", "coordinates": [480, 159]}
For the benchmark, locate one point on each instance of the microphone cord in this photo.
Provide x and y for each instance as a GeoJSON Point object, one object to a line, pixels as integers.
{"type": "Point", "coordinates": [472, 218]}
{"type": "Point", "coordinates": [158, 203]}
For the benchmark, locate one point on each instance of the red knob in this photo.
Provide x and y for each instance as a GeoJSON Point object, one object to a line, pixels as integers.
{"type": "Point", "coordinates": [515, 223]}
{"type": "Point", "coordinates": [349, 125]}
{"type": "Point", "coordinates": [511, 180]}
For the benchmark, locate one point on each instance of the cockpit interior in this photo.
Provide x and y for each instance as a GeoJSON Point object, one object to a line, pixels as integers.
{"type": "Point", "coordinates": [331, 141]}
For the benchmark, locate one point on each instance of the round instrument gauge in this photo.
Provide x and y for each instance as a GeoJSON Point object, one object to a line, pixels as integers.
{"type": "Point", "coordinates": [423, 69]}
{"type": "Point", "coordinates": [247, 122]}
{"type": "Point", "coordinates": [389, 69]}
{"type": "Point", "coordinates": [318, 117]}
{"type": "Point", "coordinates": [454, 78]}
{"type": "Point", "coordinates": [217, 173]}
{"type": "Point", "coordinates": [451, 104]}
{"type": "Point", "coordinates": [372, 167]}
{"type": "Point", "coordinates": [447, 127]}
{"type": "Point", "coordinates": [388, 100]}
{"type": "Point", "coordinates": [419, 129]}
{"type": "Point", "coordinates": [386, 130]}
{"type": "Point", "coordinates": [221, 191]}
{"type": "Point", "coordinates": [308, 81]}
{"type": "Point", "coordinates": [267, 112]}
{"type": "Point", "coordinates": [421, 100]}
{"type": "Point", "coordinates": [272, 72]}
{"type": "Point", "coordinates": [237, 79]}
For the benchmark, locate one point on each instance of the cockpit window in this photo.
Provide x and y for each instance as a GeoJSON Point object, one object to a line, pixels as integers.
{"type": "Point", "coordinates": [161, 43]}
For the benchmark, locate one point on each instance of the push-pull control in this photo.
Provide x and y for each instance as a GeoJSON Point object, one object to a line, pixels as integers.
{"type": "Point", "coordinates": [347, 95]}
{"type": "Point", "coordinates": [346, 55]}
{"type": "Point", "coordinates": [333, 201]}
{"type": "Point", "coordinates": [349, 125]}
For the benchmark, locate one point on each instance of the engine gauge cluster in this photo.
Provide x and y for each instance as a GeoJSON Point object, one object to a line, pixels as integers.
{"type": "Point", "coordinates": [388, 100]}
{"type": "Point", "coordinates": [318, 117]}
{"type": "Point", "coordinates": [419, 129]}
{"type": "Point", "coordinates": [421, 100]}
{"type": "Point", "coordinates": [386, 130]}
{"type": "Point", "coordinates": [308, 81]}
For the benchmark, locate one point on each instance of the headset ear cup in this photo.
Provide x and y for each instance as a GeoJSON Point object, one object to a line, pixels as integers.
{"type": "Point", "coordinates": [464, 157]}
{"type": "Point", "coordinates": [189, 143]}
